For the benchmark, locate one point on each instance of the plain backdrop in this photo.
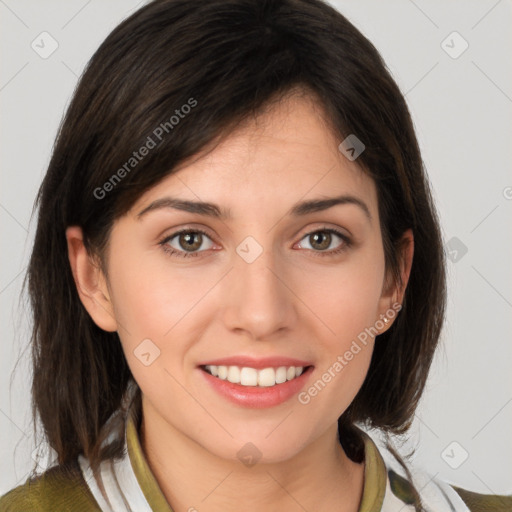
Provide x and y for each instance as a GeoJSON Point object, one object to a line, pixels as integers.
{"type": "Point", "coordinates": [459, 90]}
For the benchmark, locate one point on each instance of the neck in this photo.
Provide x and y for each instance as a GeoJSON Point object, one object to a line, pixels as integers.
{"type": "Point", "coordinates": [320, 477]}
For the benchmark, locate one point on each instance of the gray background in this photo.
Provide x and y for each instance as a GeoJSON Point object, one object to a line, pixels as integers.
{"type": "Point", "coordinates": [462, 112]}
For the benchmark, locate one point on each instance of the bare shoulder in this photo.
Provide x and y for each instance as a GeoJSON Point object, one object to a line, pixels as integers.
{"type": "Point", "coordinates": [59, 488]}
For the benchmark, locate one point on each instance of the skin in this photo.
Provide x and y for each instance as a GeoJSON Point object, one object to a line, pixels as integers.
{"type": "Point", "coordinates": [293, 300]}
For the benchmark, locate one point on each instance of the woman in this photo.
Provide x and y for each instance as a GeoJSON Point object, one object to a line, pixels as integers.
{"type": "Point", "coordinates": [237, 264]}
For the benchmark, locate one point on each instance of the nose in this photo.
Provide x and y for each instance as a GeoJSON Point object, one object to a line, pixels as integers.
{"type": "Point", "coordinates": [260, 301]}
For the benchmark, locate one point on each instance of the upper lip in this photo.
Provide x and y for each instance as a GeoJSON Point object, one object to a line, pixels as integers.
{"type": "Point", "coordinates": [258, 363]}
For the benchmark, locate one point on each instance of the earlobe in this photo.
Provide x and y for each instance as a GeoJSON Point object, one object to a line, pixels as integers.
{"type": "Point", "coordinates": [90, 281]}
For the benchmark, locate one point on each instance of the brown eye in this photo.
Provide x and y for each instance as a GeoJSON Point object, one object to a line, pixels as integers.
{"type": "Point", "coordinates": [186, 243]}
{"type": "Point", "coordinates": [320, 240]}
{"type": "Point", "coordinates": [190, 241]}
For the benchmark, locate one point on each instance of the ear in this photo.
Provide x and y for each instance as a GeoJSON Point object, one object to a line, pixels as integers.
{"type": "Point", "coordinates": [90, 281]}
{"type": "Point", "coordinates": [393, 293]}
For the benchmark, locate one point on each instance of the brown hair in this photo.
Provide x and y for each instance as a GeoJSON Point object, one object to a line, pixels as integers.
{"type": "Point", "coordinates": [231, 57]}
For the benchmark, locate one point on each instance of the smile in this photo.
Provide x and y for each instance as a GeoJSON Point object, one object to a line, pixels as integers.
{"type": "Point", "coordinates": [256, 388]}
{"type": "Point", "coordinates": [246, 376]}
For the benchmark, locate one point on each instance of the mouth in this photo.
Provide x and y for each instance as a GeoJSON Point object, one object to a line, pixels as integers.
{"type": "Point", "coordinates": [255, 377]}
{"type": "Point", "coordinates": [256, 388]}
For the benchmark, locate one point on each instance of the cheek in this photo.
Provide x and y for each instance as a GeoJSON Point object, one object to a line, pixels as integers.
{"type": "Point", "coordinates": [159, 309]}
{"type": "Point", "coordinates": [149, 298]}
{"type": "Point", "coordinates": [346, 297]}
{"type": "Point", "coordinates": [151, 304]}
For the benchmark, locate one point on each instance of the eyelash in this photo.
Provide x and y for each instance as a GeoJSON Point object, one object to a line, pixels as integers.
{"type": "Point", "coordinates": [347, 243]}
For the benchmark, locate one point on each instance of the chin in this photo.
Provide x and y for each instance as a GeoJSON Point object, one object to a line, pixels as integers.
{"type": "Point", "coordinates": [257, 448]}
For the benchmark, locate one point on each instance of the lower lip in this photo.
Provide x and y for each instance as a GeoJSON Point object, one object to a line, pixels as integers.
{"type": "Point", "coordinates": [254, 396]}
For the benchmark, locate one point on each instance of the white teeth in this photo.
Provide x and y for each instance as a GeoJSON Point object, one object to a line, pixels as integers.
{"type": "Point", "coordinates": [281, 375]}
{"type": "Point", "coordinates": [246, 376]}
{"type": "Point", "coordinates": [222, 372]}
{"type": "Point", "coordinates": [234, 374]}
{"type": "Point", "coordinates": [267, 377]}
{"type": "Point", "coordinates": [213, 370]}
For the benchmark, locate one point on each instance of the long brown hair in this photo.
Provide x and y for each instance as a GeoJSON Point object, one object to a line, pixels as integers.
{"type": "Point", "coordinates": [232, 57]}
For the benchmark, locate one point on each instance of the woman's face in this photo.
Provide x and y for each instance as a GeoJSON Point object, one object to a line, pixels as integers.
{"type": "Point", "coordinates": [268, 279]}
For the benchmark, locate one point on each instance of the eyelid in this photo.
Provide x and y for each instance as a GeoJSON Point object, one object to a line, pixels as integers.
{"type": "Point", "coordinates": [325, 226]}
{"type": "Point", "coordinates": [346, 239]}
{"type": "Point", "coordinates": [167, 238]}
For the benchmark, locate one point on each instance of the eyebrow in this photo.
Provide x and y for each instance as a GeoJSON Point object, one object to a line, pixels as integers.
{"type": "Point", "coordinates": [213, 210]}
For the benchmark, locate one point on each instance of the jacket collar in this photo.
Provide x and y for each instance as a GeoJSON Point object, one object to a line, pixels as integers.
{"type": "Point", "coordinates": [375, 475]}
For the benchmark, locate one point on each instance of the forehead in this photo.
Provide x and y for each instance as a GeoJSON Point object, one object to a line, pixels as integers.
{"type": "Point", "coordinates": [287, 153]}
